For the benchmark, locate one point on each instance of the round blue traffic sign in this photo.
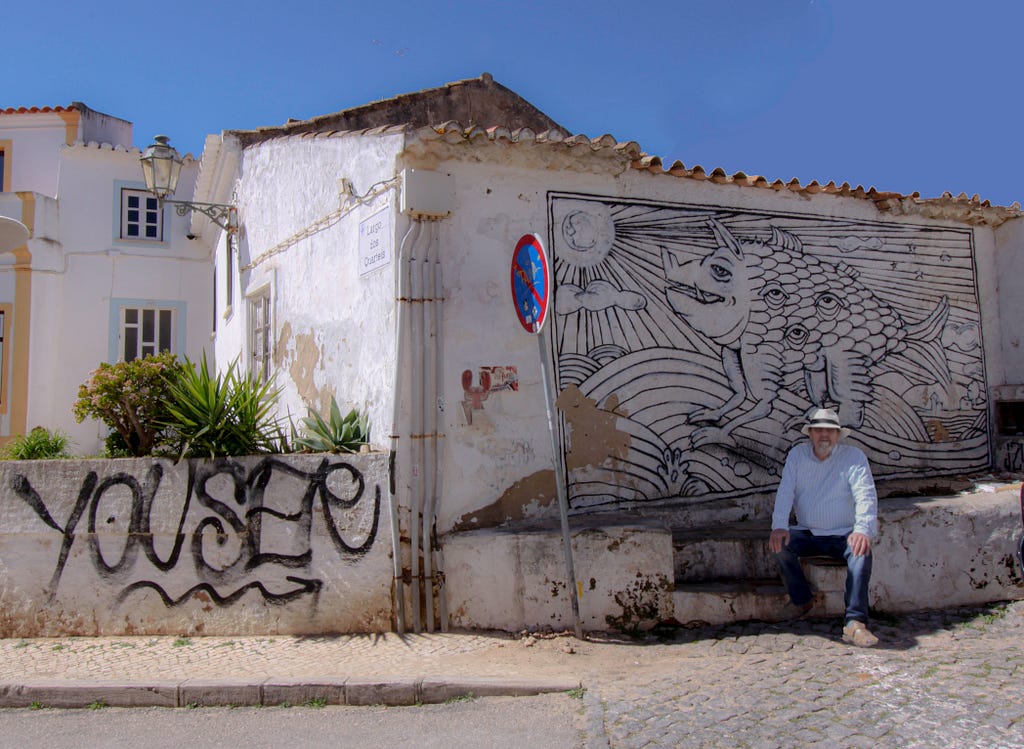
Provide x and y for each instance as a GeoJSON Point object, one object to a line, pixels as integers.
{"type": "Point", "coordinates": [531, 283]}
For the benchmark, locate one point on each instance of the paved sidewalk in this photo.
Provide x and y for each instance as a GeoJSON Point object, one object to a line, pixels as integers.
{"type": "Point", "coordinates": [950, 678]}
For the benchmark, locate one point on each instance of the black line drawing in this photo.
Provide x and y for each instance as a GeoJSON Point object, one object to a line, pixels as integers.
{"type": "Point", "coordinates": [710, 332]}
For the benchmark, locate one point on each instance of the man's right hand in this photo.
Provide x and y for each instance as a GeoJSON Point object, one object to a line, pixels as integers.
{"type": "Point", "coordinates": [778, 539]}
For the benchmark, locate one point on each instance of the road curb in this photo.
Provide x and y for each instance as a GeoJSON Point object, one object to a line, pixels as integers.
{"type": "Point", "coordinates": [269, 692]}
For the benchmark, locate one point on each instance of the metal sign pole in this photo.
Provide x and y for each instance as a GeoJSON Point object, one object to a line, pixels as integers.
{"type": "Point", "coordinates": [531, 294]}
{"type": "Point", "coordinates": [563, 502]}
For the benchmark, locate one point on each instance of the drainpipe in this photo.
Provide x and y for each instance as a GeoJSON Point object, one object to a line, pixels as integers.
{"type": "Point", "coordinates": [438, 432]}
{"type": "Point", "coordinates": [433, 411]}
{"type": "Point", "coordinates": [429, 418]}
{"type": "Point", "coordinates": [425, 196]}
{"type": "Point", "coordinates": [417, 461]}
{"type": "Point", "coordinates": [402, 326]}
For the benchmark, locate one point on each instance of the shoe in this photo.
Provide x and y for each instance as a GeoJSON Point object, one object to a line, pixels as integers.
{"type": "Point", "coordinates": [857, 633]}
{"type": "Point", "coordinates": [792, 611]}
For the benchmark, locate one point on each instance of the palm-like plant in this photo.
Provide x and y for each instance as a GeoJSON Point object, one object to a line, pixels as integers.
{"type": "Point", "coordinates": [334, 435]}
{"type": "Point", "coordinates": [229, 414]}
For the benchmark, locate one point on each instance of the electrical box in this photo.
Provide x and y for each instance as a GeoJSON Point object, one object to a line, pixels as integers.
{"type": "Point", "coordinates": [427, 194]}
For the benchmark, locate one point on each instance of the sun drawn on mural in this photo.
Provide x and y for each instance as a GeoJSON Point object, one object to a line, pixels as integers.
{"type": "Point", "coordinates": [717, 330]}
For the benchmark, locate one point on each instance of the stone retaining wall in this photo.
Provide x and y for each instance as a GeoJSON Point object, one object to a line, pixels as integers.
{"type": "Point", "coordinates": [931, 553]}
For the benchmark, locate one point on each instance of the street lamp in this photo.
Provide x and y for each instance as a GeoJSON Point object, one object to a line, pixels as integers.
{"type": "Point", "coordinates": [161, 167]}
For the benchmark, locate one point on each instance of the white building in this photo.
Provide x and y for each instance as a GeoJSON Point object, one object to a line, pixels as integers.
{"type": "Point", "coordinates": [106, 274]}
{"type": "Point", "coordinates": [695, 317]}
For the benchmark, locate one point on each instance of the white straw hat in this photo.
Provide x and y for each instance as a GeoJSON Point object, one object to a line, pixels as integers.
{"type": "Point", "coordinates": [824, 418]}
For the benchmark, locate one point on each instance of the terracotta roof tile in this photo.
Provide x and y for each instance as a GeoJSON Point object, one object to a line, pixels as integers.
{"type": "Point", "coordinates": [38, 110]}
{"type": "Point", "coordinates": [971, 210]}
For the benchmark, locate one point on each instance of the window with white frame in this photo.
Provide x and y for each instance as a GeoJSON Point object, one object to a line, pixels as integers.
{"type": "Point", "coordinates": [259, 334]}
{"type": "Point", "coordinates": [145, 331]}
{"type": "Point", "coordinates": [141, 216]}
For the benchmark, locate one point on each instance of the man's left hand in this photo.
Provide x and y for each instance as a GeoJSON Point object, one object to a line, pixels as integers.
{"type": "Point", "coordinates": [859, 544]}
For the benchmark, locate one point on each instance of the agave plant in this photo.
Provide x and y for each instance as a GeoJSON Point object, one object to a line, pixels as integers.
{"type": "Point", "coordinates": [335, 435]}
{"type": "Point", "coordinates": [215, 415]}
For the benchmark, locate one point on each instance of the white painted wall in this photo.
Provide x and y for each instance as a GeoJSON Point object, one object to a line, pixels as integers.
{"type": "Point", "coordinates": [1009, 266]}
{"type": "Point", "coordinates": [334, 328]}
{"type": "Point", "coordinates": [505, 451]}
{"type": "Point", "coordinates": [33, 154]}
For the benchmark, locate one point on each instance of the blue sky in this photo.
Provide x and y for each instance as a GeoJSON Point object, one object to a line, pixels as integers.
{"type": "Point", "coordinates": [901, 95]}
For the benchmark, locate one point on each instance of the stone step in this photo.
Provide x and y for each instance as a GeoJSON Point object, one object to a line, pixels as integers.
{"type": "Point", "coordinates": [726, 601]}
{"type": "Point", "coordinates": [726, 550]}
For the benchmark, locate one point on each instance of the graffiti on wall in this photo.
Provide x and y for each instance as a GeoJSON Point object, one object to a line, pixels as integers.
{"type": "Point", "coordinates": [236, 530]}
{"type": "Point", "coordinates": [1010, 456]}
{"type": "Point", "coordinates": [708, 334]}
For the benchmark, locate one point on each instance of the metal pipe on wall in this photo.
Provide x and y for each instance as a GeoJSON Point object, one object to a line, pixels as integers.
{"type": "Point", "coordinates": [430, 421]}
{"type": "Point", "coordinates": [439, 405]}
{"type": "Point", "coordinates": [402, 325]}
{"type": "Point", "coordinates": [416, 392]}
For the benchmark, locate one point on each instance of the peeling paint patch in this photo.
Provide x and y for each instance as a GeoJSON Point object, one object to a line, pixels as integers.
{"type": "Point", "coordinates": [307, 355]}
{"type": "Point", "coordinates": [525, 498]}
{"type": "Point", "coordinates": [594, 438]}
{"type": "Point", "coordinates": [282, 343]}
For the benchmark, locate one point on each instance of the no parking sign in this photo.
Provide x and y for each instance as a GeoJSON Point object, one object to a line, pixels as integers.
{"type": "Point", "coordinates": [531, 283]}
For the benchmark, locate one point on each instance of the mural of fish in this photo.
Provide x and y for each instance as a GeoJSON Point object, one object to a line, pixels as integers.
{"type": "Point", "coordinates": [777, 311]}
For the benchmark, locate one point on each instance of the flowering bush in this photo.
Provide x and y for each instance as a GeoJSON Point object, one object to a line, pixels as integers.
{"type": "Point", "coordinates": [131, 398]}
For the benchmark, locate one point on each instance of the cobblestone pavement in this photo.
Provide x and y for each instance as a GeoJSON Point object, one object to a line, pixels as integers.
{"type": "Point", "coordinates": [952, 678]}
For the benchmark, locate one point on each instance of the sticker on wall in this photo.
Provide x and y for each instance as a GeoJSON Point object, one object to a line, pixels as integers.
{"type": "Point", "coordinates": [703, 336]}
{"type": "Point", "coordinates": [476, 389]}
{"type": "Point", "coordinates": [375, 242]}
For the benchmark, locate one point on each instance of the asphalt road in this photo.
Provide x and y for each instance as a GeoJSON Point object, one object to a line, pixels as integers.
{"type": "Point", "coordinates": [536, 722]}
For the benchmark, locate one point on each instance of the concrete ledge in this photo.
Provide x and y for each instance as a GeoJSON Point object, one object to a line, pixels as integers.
{"type": "Point", "coordinates": [300, 691]}
{"type": "Point", "coordinates": [391, 691]}
{"type": "Point", "coordinates": [516, 579]}
{"type": "Point", "coordinates": [435, 689]}
{"type": "Point", "coordinates": [219, 692]}
{"type": "Point", "coordinates": [71, 693]}
{"type": "Point", "coordinates": [80, 693]}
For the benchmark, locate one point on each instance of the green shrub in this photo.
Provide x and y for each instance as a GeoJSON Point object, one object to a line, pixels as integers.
{"type": "Point", "coordinates": [213, 415]}
{"type": "Point", "coordinates": [337, 435]}
{"type": "Point", "coordinates": [39, 444]}
{"type": "Point", "coordinates": [131, 398]}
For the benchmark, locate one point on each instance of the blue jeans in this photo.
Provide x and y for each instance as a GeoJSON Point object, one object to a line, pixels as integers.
{"type": "Point", "coordinates": [805, 544]}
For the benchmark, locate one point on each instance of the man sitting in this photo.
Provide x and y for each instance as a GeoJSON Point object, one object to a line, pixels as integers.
{"type": "Point", "coordinates": [830, 487]}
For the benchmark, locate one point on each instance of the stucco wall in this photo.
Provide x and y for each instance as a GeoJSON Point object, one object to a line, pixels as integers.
{"type": "Point", "coordinates": [1009, 240]}
{"type": "Point", "coordinates": [283, 544]}
{"type": "Point", "coordinates": [827, 302]}
{"type": "Point", "coordinates": [334, 324]}
{"type": "Point", "coordinates": [37, 138]}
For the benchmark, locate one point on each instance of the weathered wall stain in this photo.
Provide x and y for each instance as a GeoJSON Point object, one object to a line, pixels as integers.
{"type": "Point", "coordinates": [302, 369]}
{"type": "Point", "coordinates": [525, 498]}
{"type": "Point", "coordinates": [593, 436]}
